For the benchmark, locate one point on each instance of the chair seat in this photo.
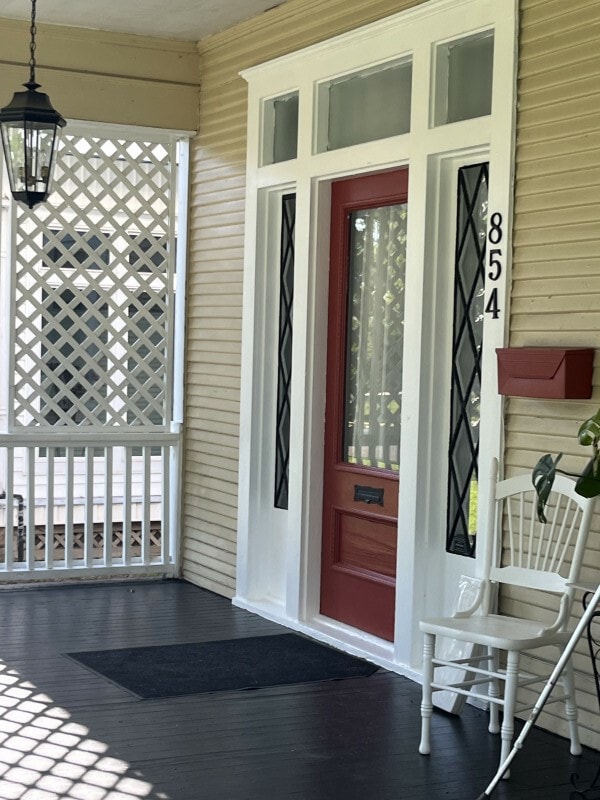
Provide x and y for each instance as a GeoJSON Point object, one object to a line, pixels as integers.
{"type": "Point", "coordinates": [505, 633]}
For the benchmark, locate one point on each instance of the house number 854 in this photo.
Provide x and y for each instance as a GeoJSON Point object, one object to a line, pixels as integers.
{"type": "Point", "coordinates": [494, 262]}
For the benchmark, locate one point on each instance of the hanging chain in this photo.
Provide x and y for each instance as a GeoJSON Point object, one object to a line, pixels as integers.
{"type": "Point", "coordinates": [33, 30]}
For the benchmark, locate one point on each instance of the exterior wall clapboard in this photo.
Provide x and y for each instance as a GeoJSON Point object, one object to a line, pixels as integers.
{"type": "Point", "coordinates": [216, 266]}
{"type": "Point", "coordinates": [556, 278]}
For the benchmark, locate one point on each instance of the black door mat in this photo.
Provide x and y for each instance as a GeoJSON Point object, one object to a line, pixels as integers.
{"type": "Point", "coordinates": [228, 665]}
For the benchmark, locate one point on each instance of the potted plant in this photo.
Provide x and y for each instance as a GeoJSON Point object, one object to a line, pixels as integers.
{"type": "Point", "coordinates": [588, 480]}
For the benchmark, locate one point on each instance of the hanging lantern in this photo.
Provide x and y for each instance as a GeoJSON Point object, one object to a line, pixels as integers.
{"type": "Point", "coordinates": [29, 126]}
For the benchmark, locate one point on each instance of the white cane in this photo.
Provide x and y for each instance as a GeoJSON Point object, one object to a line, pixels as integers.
{"type": "Point", "coordinates": [545, 694]}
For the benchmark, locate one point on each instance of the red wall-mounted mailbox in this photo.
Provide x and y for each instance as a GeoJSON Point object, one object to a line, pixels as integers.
{"type": "Point", "coordinates": [546, 372]}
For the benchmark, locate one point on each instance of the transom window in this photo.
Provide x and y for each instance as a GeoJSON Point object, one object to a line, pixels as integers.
{"type": "Point", "coordinates": [365, 106]}
{"type": "Point", "coordinates": [463, 78]}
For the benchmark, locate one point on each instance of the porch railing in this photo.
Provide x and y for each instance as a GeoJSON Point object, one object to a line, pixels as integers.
{"type": "Point", "coordinates": [83, 505]}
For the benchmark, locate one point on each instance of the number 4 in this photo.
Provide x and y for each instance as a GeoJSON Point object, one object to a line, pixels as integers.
{"type": "Point", "coordinates": [492, 306]}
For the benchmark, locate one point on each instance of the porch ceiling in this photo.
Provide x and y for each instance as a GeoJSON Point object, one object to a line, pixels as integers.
{"type": "Point", "coordinates": [178, 19]}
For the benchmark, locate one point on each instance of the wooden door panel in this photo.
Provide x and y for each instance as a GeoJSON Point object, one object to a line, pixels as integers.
{"type": "Point", "coordinates": [364, 545]}
{"type": "Point", "coordinates": [356, 599]}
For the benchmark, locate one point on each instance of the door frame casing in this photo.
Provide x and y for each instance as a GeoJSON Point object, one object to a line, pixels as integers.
{"type": "Point", "coordinates": [289, 550]}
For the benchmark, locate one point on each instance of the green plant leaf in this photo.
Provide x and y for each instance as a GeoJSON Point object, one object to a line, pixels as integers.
{"type": "Point", "coordinates": [588, 483]}
{"type": "Point", "coordinates": [543, 476]}
{"type": "Point", "coordinates": [589, 431]}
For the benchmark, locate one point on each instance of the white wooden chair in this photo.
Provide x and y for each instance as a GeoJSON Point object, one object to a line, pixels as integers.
{"type": "Point", "coordinates": [524, 553]}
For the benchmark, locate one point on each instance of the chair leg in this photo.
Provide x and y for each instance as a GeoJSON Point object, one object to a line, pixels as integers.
{"type": "Point", "coordinates": [568, 684]}
{"type": "Point", "coordinates": [494, 690]}
{"type": "Point", "coordinates": [426, 702]}
{"type": "Point", "coordinates": [510, 700]}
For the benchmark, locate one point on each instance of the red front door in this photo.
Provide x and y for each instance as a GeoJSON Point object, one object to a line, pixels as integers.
{"type": "Point", "coordinates": [364, 398]}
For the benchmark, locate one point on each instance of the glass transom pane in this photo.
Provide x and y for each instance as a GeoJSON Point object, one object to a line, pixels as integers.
{"type": "Point", "coordinates": [464, 77]}
{"type": "Point", "coordinates": [375, 337]}
{"type": "Point", "coordinates": [366, 106]}
{"type": "Point", "coordinates": [280, 129]}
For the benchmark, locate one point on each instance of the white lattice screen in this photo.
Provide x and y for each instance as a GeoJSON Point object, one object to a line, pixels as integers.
{"type": "Point", "coordinates": [93, 289]}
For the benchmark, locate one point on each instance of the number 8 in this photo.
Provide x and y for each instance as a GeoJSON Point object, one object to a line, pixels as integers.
{"type": "Point", "coordinates": [495, 234]}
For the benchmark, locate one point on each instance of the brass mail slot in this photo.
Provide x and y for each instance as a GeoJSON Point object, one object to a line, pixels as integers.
{"type": "Point", "coordinates": [368, 494]}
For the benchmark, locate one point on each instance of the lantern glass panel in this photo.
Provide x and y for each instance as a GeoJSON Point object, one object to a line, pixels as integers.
{"type": "Point", "coordinates": [39, 140]}
{"type": "Point", "coordinates": [28, 148]}
{"type": "Point", "coordinates": [13, 142]}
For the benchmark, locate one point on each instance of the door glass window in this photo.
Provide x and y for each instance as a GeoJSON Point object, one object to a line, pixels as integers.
{"type": "Point", "coordinates": [374, 337]}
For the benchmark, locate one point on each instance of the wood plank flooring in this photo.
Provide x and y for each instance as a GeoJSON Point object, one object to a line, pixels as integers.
{"type": "Point", "coordinates": [68, 733]}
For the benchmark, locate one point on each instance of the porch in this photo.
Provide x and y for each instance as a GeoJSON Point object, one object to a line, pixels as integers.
{"type": "Point", "coordinates": [68, 733]}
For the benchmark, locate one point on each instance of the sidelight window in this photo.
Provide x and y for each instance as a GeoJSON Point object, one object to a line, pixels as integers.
{"type": "Point", "coordinates": [469, 278]}
{"type": "Point", "coordinates": [284, 350]}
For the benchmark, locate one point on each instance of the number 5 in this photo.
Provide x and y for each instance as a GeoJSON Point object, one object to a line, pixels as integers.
{"type": "Point", "coordinates": [495, 262]}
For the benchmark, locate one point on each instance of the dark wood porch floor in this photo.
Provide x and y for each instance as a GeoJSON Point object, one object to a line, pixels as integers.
{"type": "Point", "coordinates": [67, 733]}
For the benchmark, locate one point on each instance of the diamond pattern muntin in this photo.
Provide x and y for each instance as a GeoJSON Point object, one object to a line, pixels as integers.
{"type": "Point", "coordinates": [284, 360]}
{"type": "Point", "coordinates": [469, 284]}
{"type": "Point", "coordinates": [93, 287]}
{"type": "Point", "coordinates": [375, 336]}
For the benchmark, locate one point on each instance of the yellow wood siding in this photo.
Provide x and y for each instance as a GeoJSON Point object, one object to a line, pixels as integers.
{"type": "Point", "coordinates": [216, 264]}
{"type": "Point", "coordinates": [105, 77]}
{"type": "Point", "coordinates": [556, 267]}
